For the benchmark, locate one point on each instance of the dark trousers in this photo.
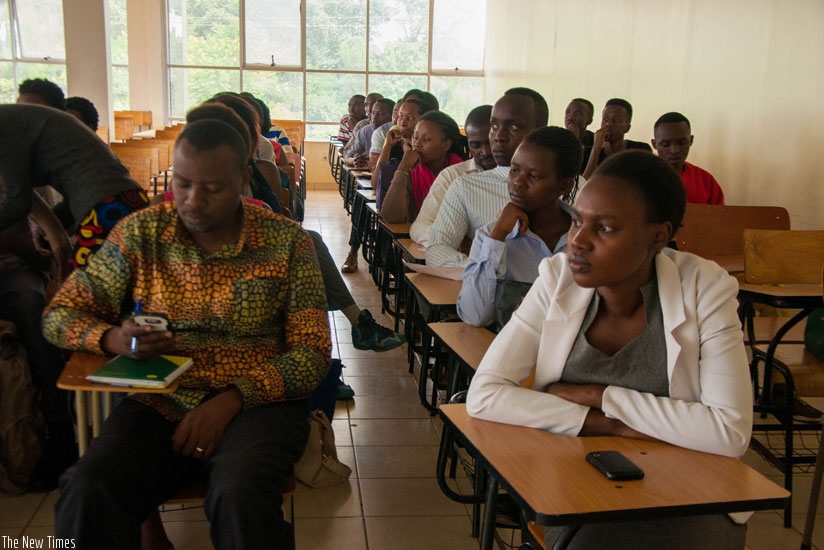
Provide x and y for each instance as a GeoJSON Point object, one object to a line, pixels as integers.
{"type": "Point", "coordinates": [338, 296]}
{"type": "Point", "coordinates": [129, 470]}
{"type": "Point", "coordinates": [22, 300]}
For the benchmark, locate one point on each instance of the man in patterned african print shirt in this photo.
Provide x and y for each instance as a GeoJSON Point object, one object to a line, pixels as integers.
{"type": "Point", "coordinates": [244, 297]}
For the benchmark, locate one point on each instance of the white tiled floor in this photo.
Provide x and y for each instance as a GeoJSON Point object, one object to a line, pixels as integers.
{"type": "Point", "coordinates": [392, 500]}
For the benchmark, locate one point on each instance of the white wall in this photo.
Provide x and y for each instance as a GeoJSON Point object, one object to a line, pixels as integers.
{"type": "Point", "coordinates": [747, 73]}
{"type": "Point", "coordinates": [147, 82]}
{"type": "Point", "coordinates": [87, 54]}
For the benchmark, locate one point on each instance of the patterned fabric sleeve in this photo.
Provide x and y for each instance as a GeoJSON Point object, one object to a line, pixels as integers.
{"type": "Point", "coordinates": [88, 304]}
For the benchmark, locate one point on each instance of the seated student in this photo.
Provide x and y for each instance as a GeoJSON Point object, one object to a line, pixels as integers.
{"type": "Point", "coordinates": [476, 127]}
{"type": "Point", "coordinates": [476, 199]}
{"type": "Point", "coordinates": [436, 144]}
{"type": "Point", "coordinates": [265, 183]}
{"type": "Point", "coordinates": [39, 91]}
{"type": "Point", "coordinates": [532, 226]}
{"type": "Point", "coordinates": [391, 153]}
{"type": "Point", "coordinates": [629, 338]}
{"type": "Point", "coordinates": [356, 151]}
{"type": "Point", "coordinates": [368, 105]}
{"type": "Point", "coordinates": [265, 148]}
{"type": "Point", "coordinates": [609, 138]}
{"type": "Point", "coordinates": [379, 135]}
{"type": "Point", "coordinates": [672, 142]}
{"type": "Point", "coordinates": [367, 334]}
{"type": "Point", "coordinates": [83, 110]}
{"type": "Point", "coordinates": [198, 261]}
{"type": "Point", "coordinates": [577, 117]}
{"type": "Point", "coordinates": [357, 112]}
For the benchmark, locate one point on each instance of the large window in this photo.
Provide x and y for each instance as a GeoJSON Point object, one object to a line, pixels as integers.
{"type": "Point", "coordinates": [306, 58]}
{"type": "Point", "coordinates": [31, 44]}
{"type": "Point", "coordinates": [119, 53]}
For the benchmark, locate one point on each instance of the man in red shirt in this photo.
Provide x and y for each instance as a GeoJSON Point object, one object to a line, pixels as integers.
{"type": "Point", "coordinates": [672, 141]}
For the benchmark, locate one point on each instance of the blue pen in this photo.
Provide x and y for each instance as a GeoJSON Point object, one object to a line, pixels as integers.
{"type": "Point", "coordinates": [138, 308]}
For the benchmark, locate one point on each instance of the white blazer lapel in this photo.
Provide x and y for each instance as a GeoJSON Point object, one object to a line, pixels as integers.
{"type": "Point", "coordinates": [672, 308]}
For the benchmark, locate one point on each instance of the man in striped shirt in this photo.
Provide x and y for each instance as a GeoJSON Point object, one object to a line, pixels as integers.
{"type": "Point", "coordinates": [475, 199]}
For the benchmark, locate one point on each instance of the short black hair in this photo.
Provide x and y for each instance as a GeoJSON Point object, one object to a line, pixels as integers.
{"type": "Point", "coordinates": [672, 118]}
{"type": "Point", "coordinates": [87, 110]}
{"type": "Point", "coordinates": [569, 152]}
{"type": "Point", "coordinates": [209, 134]}
{"type": "Point", "coordinates": [586, 102]}
{"type": "Point", "coordinates": [479, 116]}
{"type": "Point", "coordinates": [386, 101]}
{"type": "Point", "coordinates": [450, 131]}
{"type": "Point", "coordinates": [538, 102]}
{"type": "Point", "coordinates": [656, 183]}
{"type": "Point", "coordinates": [47, 90]}
{"type": "Point", "coordinates": [434, 105]}
{"type": "Point", "coordinates": [245, 111]}
{"type": "Point", "coordinates": [423, 105]}
{"type": "Point", "coordinates": [620, 103]}
{"type": "Point", "coordinates": [219, 111]}
{"type": "Point", "coordinates": [358, 96]}
{"type": "Point", "coordinates": [263, 112]}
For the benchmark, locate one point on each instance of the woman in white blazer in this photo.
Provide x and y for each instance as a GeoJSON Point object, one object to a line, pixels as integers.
{"type": "Point", "coordinates": [627, 338]}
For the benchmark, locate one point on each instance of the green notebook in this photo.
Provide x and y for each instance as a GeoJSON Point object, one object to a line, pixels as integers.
{"type": "Point", "coordinates": [155, 372]}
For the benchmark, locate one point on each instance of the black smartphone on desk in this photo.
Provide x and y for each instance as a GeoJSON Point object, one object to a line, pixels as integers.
{"type": "Point", "coordinates": [614, 465]}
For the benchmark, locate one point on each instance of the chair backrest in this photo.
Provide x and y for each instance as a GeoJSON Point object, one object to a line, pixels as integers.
{"type": "Point", "coordinates": [140, 170]}
{"type": "Point", "coordinates": [123, 126]}
{"type": "Point", "coordinates": [158, 154]}
{"type": "Point", "coordinates": [296, 130]}
{"type": "Point", "coordinates": [783, 257]}
{"type": "Point", "coordinates": [710, 230]}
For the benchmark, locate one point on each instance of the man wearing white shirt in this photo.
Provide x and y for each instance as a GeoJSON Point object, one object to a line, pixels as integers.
{"type": "Point", "coordinates": [475, 200]}
{"type": "Point", "coordinates": [477, 135]}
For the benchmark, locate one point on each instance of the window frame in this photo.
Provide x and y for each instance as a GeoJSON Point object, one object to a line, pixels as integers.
{"type": "Point", "coordinates": [17, 60]}
{"type": "Point", "coordinates": [243, 66]}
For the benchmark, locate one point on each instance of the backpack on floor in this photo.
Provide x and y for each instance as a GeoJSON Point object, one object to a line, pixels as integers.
{"type": "Point", "coordinates": [22, 429]}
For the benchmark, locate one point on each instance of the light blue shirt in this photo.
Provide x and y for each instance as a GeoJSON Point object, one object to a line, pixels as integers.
{"type": "Point", "coordinates": [379, 136]}
{"type": "Point", "coordinates": [360, 143]}
{"type": "Point", "coordinates": [514, 259]}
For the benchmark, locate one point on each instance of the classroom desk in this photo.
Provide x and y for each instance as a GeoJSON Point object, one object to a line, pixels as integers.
{"type": "Point", "coordinates": [384, 273]}
{"type": "Point", "coordinates": [805, 298]}
{"type": "Point", "coordinates": [363, 182]}
{"type": "Point", "coordinates": [677, 482]}
{"type": "Point", "coordinates": [73, 378]}
{"type": "Point", "coordinates": [463, 345]}
{"type": "Point", "coordinates": [426, 299]}
{"type": "Point", "coordinates": [405, 250]}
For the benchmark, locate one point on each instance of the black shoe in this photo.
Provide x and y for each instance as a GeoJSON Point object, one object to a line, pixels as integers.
{"type": "Point", "coordinates": [802, 411]}
{"type": "Point", "coordinates": [367, 334]}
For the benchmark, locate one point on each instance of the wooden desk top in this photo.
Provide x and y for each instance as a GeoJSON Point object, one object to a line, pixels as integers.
{"type": "Point", "coordinates": [367, 194]}
{"type": "Point", "coordinates": [467, 342]}
{"type": "Point", "coordinates": [435, 290]}
{"type": "Point", "coordinates": [81, 364]}
{"type": "Point", "coordinates": [363, 183]}
{"type": "Point", "coordinates": [548, 474]}
{"type": "Point", "coordinates": [412, 250]}
{"type": "Point", "coordinates": [782, 291]}
{"type": "Point", "coordinates": [396, 229]}
{"type": "Point", "coordinates": [374, 208]}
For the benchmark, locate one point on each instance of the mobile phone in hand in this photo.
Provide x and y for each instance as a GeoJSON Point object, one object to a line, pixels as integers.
{"type": "Point", "coordinates": [614, 465]}
{"type": "Point", "coordinates": [157, 321]}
